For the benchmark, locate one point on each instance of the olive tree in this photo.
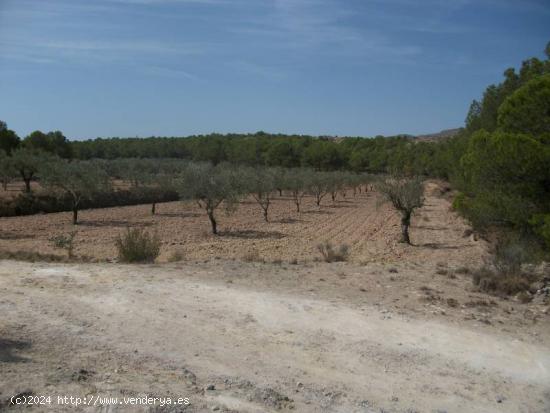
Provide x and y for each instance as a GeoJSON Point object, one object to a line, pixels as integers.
{"type": "Point", "coordinates": [261, 183]}
{"type": "Point", "coordinates": [298, 184]}
{"type": "Point", "coordinates": [280, 176]}
{"type": "Point", "coordinates": [141, 174]}
{"type": "Point", "coordinates": [160, 182]}
{"type": "Point", "coordinates": [132, 171]}
{"type": "Point", "coordinates": [319, 186]}
{"type": "Point", "coordinates": [77, 180]}
{"type": "Point", "coordinates": [405, 194]}
{"type": "Point", "coordinates": [210, 186]}
{"type": "Point", "coordinates": [335, 184]}
{"type": "Point", "coordinates": [7, 170]}
{"type": "Point", "coordinates": [27, 163]}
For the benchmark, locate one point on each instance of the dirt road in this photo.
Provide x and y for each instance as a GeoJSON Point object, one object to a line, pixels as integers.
{"type": "Point", "coordinates": [261, 338]}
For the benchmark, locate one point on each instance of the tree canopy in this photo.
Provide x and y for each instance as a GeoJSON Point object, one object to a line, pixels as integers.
{"type": "Point", "coordinates": [9, 141]}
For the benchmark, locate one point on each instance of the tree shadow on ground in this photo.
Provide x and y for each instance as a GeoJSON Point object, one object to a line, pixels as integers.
{"type": "Point", "coordinates": [429, 227]}
{"type": "Point", "coordinates": [14, 237]}
{"type": "Point", "coordinates": [114, 223]}
{"type": "Point", "coordinates": [288, 221]}
{"type": "Point", "coordinates": [251, 234]}
{"type": "Point", "coordinates": [338, 205]}
{"type": "Point", "coordinates": [435, 246]}
{"type": "Point", "coordinates": [178, 214]}
{"type": "Point", "coordinates": [6, 351]}
{"type": "Point", "coordinates": [318, 212]}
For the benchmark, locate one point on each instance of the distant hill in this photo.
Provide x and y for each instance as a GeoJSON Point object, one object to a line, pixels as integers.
{"type": "Point", "coordinates": [444, 134]}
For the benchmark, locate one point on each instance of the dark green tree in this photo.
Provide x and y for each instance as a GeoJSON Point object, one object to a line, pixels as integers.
{"type": "Point", "coordinates": [7, 170]}
{"type": "Point", "coordinates": [9, 140]}
{"type": "Point", "coordinates": [527, 110]}
{"type": "Point", "coordinates": [52, 142]}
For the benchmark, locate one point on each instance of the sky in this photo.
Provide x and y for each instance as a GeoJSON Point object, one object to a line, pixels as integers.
{"type": "Point", "coordinates": [323, 67]}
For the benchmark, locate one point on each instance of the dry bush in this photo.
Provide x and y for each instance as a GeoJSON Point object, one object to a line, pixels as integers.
{"type": "Point", "coordinates": [524, 297]}
{"type": "Point", "coordinates": [491, 281]}
{"type": "Point", "coordinates": [330, 254]}
{"type": "Point", "coordinates": [176, 256]}
{"type": "Point", "coordinates": [505, 273]}
{"type": "Point", "coordinates": [65, 242]}
{"type": "Point", "coordinates": [137, 245]}
{"type": "Point", "coordinates": [451, 302]}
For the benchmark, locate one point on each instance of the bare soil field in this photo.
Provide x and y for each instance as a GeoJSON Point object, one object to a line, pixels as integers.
{"type": "Point", "coordinates": [370, 229]}
{"type": "Point", "coordinates": [397, 329]}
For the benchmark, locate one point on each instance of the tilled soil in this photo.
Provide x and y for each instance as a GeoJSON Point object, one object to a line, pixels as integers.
{"type": "Point", "coordinates": [369, 227]}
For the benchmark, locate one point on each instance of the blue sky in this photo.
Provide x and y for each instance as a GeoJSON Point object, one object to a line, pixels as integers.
{"type": "Point", "coordinates": [324, 67]}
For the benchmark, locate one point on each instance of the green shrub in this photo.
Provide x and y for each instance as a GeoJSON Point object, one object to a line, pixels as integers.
{"type": "Point", "coordinates": [330, 254]}
{"type": "Point", "coordinates": [28, 204]}
{"type": "Point", "coordinates": [541, 226]}
{"type": "Point", "coordinates": [137, 245]}
{"type": "Point", "coordinates": [459, 202]}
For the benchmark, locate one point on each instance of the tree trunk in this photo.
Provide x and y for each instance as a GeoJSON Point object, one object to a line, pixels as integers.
{"type": "Point", "coordinates": [153, 208]}
{"type": "Point", "coordinates": [280, 192]}
{"type": "Point", "coordinates": [75, 215]}
{"type": "Point", "coordinates": [27, 184]}
{"type": "Point", "coordinates": [265, 215]}
{"type": "Point", "coordinates": [405, 223]}
{"type": "Point", "coordinates": [318, 201]}
{"type": "Point", "coordinates": [213, 222]}
{"type": "Point", "coordinates": [333, 196]}
{"type": "Point", "coordinates": [297, 206]}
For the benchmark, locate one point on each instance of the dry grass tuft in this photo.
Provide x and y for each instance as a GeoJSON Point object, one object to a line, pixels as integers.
{"type": "Point", "coordinates": [176, 256]}
{"type": "Point", "coordinates": [330, 254]}
{"type": "Point", "coordinates": [138, 246]}
{"type": "Point", "coordinates": [491, 281]}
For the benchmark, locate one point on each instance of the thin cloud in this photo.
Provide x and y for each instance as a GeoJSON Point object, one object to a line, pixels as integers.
{"type": "Point", "coordinates": [266, 72]}
{"type": "Point", "coordinates": [155, 2]}
{"type": "Point", "coordinates": [168, 72]}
